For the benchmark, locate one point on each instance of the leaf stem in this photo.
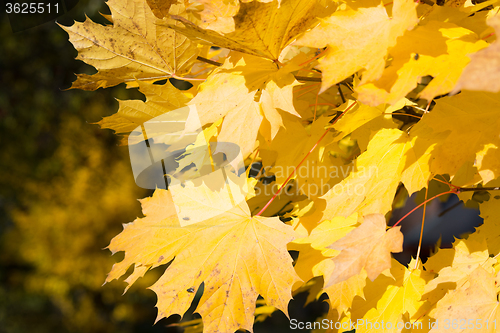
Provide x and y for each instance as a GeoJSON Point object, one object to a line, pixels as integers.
{"type": "Point", "coordinates": [313, 86]}
{"type": "Point", "coordinates": [459, 189]}
{"type": "Point", "coordinates": [305, 157]}
{"type": "Point", "coordinates": [319, 55]}
{"type": "Point", "coordinates": [290, 176]}
{"type": "Point", "coordinates": [445, 182]}
{"type": "Point", "coordinates": [455, 190]}
{"type": "Point", "coordinates": [422, 228]}
{"type": "Point", "coordinates": [423, 203]}
{"type": "Point", "coordinates": [488, 36]}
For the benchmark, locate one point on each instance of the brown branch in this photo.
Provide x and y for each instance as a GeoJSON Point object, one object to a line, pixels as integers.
{"type": "Point", "coordinates": [208, 61]}
{"type": "Point", "coordinates": [465, 189]}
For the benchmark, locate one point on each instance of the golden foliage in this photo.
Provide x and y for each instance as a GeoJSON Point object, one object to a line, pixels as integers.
{"type": "Point", "coordinates": [305, 86]}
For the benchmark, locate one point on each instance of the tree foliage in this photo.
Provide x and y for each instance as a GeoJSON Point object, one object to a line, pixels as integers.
{"type": "Point", "coordinates": [368, 91]}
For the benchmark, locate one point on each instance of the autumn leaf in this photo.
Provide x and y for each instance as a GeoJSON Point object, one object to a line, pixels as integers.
{"type": "Point", "coordinates": [236, 256]}
{"type": "Point", "coordinates": [133, 113]}
{"type": "Point", "coordinates": [463, 259]}
{"type": "Point", "coordinates": [490, 229]}
{"type": "Point", "coordinates": [261, 29]}
{"type": "Point", "coordinates": [340, 294]}
{"type": "Point", "coordinates": [160, 8]}
{"type": "Point", "coordinates": [391, 297]}
{"type": "Point", "coordinates": [231, 92]}
{"type": "Point", "coordinates": [367, 247]}
{"type": "Point", "coordinates": [131, 49]}
{"type": "Point", "coordinates": [315, 260]}
{"type": "Point", "coordinates": [334, 107]}
{"type": "Point", "coordinates": [483, 72]}
{"type": "Point", "coordinates": [217, 15]}
{"type": "Point", "coordinates": [329, 231]}
{"type": "Point", "coordinates": [469, 114]}
{"type": "Point", "coordinates": [414, 57]}
{"type": "Point", "coordinates": [476, 300]}
{"type": "Point", "coordinates": [320, 168]}
{"type": "Point", "coordinates": [358, 39]}
{"type": "Point", "coordinates": [376, 175]}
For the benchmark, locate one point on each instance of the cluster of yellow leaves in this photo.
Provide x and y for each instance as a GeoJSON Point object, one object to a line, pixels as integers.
{"type": "Point", "coordinates": [315, 90]}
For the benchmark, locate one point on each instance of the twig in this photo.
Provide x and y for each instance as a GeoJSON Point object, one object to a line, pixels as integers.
{"type": "Point", "coordinates": [300, 163]}
{"type": "Point", "coordinates": [468, 189]}
{"type": "Point", "coordinates": [340, 92]}
{"type": "Point", "coordinates": [208, 61]}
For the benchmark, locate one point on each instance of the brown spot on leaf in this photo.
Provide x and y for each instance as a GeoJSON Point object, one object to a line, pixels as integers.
{"type": "Point", "coordinates": [160, 259]}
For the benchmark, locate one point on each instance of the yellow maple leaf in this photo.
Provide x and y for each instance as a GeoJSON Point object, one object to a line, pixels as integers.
{"type": "Point", "coordinates": [229, 87]}
{"type": "Point", "coordinates": [414, 57]}
{"type": "Point", "coordinates": [417, 174]}
{"type": "Point", "coordinates": [371, 186]}
{"type": "Point", "coordinates": [250, 119]}
{"type": "Point", "coordinates": [342, 294]}
{"type": "Point", "coordinates": [160, 8]}
{"type": "Point", "coordinates": [464, 258]}
{"type": "Point", "coordinates": [231, 92]}
{"type": "Point", "coordinates": [312, 263]}
{"type": "Point", "coordinates": [358, 116]}
{"type": "Point", "coordinates": [367, 247]}
{"type": "Point", "coordinates": [262, 193]}
{"type": "Point", "coordinates": [358, 39]}
{"type": "Point", "coordinates": [236, 256]}
{"type": "Point", "coordinates": [483, 72]}
{"type": "Point", "coordinates": [391, 298]}
{"type": "Point", "coordinates": [490, 229]}
{"type": "Point", "coordinates": [261, 29]}
{"type": "Point", "coordinates": [329, 231]}
{"type": "Point", "coordinates": [132, 49]}
{"type": "Point", "coordinates": [473, 307]}
{"type": "Point", "coordinates": [315, 260]}
{"type": "Point", "coordinates": [133, 113]}
{"type": "Point", "coordinates": [217, 15]}
{"type": "Point", "coordinates": [319, 170]}
{"type": "Point", "coordinates": [474, 115]}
